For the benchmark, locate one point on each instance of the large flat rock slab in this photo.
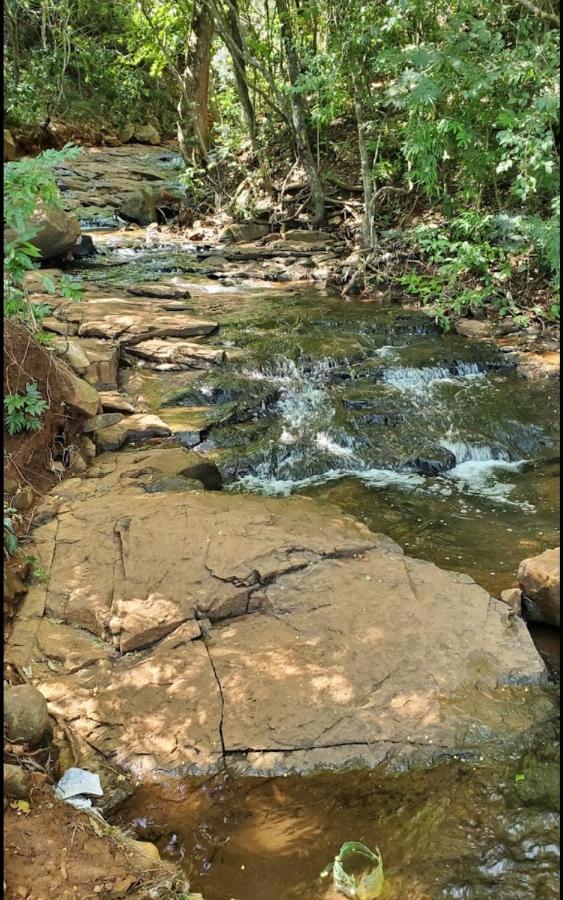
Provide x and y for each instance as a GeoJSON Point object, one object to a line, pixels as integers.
{"type": "Point", "coordinates": [270, 634]}
{"type": "Point", "coordinates": [113, 316]}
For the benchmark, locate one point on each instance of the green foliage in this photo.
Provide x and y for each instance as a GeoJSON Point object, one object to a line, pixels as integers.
{"type": "Point", "coordinates": [24, 411]}
{"type": "Point", "coordinates": [27, 183]}
{"type": "Point", "coordinates": [193, 180]}
{"type": "Point", "coordinates": [79, 62]}
{"type": "Point", "coordinates": [37, 574]}
{"type": "Point", "coordinates": [457, 102]}
{"type": "Point", "coordinates": [472, 261]}
{"type": "Point", "coordinates": [11, 519]}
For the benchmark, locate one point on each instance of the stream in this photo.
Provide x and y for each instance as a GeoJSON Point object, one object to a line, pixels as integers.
{"type": "Point", "coordinates": [429, 438]}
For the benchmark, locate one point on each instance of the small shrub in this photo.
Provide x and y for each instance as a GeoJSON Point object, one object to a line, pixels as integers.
{"type": "Point", "coordinates": [24, 411]}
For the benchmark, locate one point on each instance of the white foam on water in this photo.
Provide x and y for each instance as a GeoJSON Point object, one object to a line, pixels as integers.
{"type": "Point", "coordinates": [470, 452]}
{"type": "Point", "coordinates": [416, 381]}
{"type": "Point", "coordinates": [391, 478]}
{"type": "Point", "coordinates": [287, 438]}
{"type": "Point", "coordinates": [388, 351]}
{"type": "Point", "coordinates": [325, 442]}
{"type": "Point", "coordinates": [479, 477]}
{"type": "Point", "coordinates": [370, 477]}
{"type": "Point", "coordinates": [280, 487]}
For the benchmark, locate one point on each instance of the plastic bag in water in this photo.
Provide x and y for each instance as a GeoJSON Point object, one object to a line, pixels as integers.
{"type": "Point", "coordinates": [365, 885]}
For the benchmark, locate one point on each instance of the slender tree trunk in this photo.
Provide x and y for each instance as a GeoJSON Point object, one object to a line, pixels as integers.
{"type": "Point", "coordinates": [192, 111]}
{"type": "Point", "coordinates": [369, 236]}
{"type": "Point", "coordinates": [302, 142]}
{"type": "Point", "coordinates": [239, 66]}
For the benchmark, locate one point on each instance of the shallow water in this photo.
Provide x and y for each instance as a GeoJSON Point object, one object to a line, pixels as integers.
{"type": "Point", "coordinates": [434, 441]}
{"type": "Point", "coordinates": [360, 405]}
{"type": "Point", "coordinates": [457, 830]}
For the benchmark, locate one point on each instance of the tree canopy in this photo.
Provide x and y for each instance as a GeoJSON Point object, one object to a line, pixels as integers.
{"type": "Point", "coordinates": [453, 104]}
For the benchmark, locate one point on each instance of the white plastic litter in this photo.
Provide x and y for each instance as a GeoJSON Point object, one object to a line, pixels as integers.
{"type": "Point", "coordinates": [79, 802]}
{"type": "Point", "coordinates": [76, 782]}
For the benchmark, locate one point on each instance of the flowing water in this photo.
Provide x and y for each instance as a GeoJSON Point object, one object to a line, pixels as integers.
{"type": "Point", "coordinates": [432, 439]}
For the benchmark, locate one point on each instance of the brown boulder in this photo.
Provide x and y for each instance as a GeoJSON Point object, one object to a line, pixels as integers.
{"type": "Point", "coordinates": [146, 134]}
{"type": "Point", "coordinates": [303, 236]}
{"type": "Point", "coordinates": [81, 396]}
{"type": "Point", "coordinates": [244, 234]}
{"type": "Point", "coordinates": [72, 353]}
{"type": "Point", "coordinates": [130, 428]}
{"type": "Point", "coordinates": [513, 599]}
{"type": "Point", "coordinates": [540, 581]}
{"type": "Point", "coordinates": [139, 207]}
{"type": "Point", "coordinates": [121, 318]}
{"type": "Point", "coordinates": [103, 420]}
{"type": "Point", "coordinates": [57, 232]}
{"type": "Point", "coordinates": [26, 716]}
{"type": "Point", "coordinates": [273, 629]}
{"type": "Point", "coordinates": [176, 355]}
{"type": "Point", "coordinates": [103, 358]}
{"type": "Point", "coordinates": [126, 133]}
{"type": "Point", "coordinates": [17, 782]}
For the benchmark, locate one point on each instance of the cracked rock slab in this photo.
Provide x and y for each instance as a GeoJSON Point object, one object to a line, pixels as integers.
{"type": "Point", "coordinates": [271, 634]}
{"type": "Point", "coordinates": [120, 318]}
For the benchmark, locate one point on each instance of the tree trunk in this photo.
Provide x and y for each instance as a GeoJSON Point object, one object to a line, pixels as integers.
{"type": "Point", "coordinates": [369, 236]}
{"type": "Point", "coordinates": [302, 142]}
{"type": "Point", "coordinates": [239, 66]}
{"type": "Point", "coordinates": [194, 120]}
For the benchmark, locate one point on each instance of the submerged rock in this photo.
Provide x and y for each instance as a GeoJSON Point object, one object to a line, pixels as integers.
{"type": "Point", "coordinates": [435, 462]}
{"type": "Point", "coordinates": [540, 580]}
{"type": "Point", "coordinates": [474, 328]}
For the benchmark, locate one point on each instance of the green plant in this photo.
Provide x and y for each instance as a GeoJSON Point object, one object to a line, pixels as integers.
{"type": "Point", "coordinates": [24, 411]}
{"type": "Point", "coordinates": [38, 574]}
{"type": "Point", "coordinates": [27, 183]}
{"type": "Point", "coordinates": [11, 518]}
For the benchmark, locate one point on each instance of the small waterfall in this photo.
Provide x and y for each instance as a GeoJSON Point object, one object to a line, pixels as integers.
{"type": "Point", "coordinates": [417, 380]}
{"type": "Point", "coordinates": [467, 452]}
